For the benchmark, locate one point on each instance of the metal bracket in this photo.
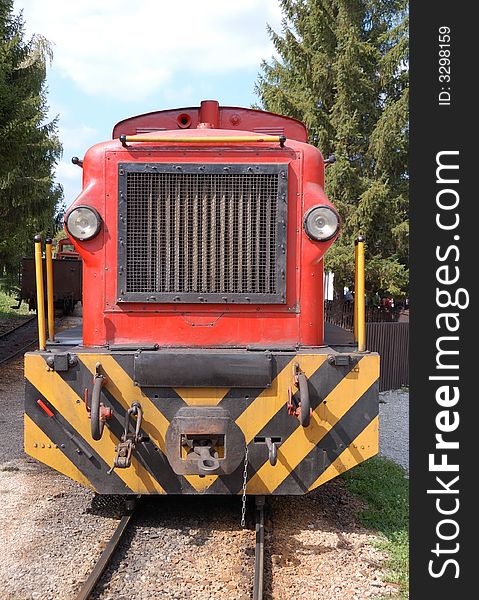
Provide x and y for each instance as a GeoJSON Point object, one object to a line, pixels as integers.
{"type": "Point", "coordinates": [302, 409]}
{"type": "Point", "coordinates": [339, 360]}
{"type": "Point", "coordinates": [204, 440]}
{"type": "Point", "coordinates": [129, 440]}
{"type": "Point", "coordinates": [61, 361]}
{"type": "Point", "coordinates": [97, 411]}
{"type": "Point", "coordinates": [207, 461]}
{"type": "Point", "coordinates": [273, 451]}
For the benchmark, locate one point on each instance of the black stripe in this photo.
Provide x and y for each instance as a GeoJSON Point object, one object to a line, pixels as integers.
{"type": "Point", "coordinates": [167, 405]}
{"type": "Point", "coordinates": [321, 384]}
{"type": "Point", "coordinates": [232, 483]}
{"type": "Point", "coordinates": [166, 400]}
{"type": "Point", "coordinates": [95, 468]}
{"type": "Point", "coordinates": [237, 400]}
{"type": "Point", "coordinates": [357, 418]}
{"type": "Point", "coordinates": [147, 453]}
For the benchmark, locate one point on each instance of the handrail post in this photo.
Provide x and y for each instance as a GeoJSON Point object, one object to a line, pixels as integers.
{"type": "Point", "coordinates": [40, 293]}
{"type": "Point", "coordinates": [355, 328]}
{"type": "Point", "coordinates": [50, 305]}
{"type": "Point", "coordinates": [359, 295]}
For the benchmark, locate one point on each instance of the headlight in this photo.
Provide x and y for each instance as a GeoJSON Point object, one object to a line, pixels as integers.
{"type": "Point", "coordinates": [321, 223]}
{"type": "Point", "coordinates": [83, 223]}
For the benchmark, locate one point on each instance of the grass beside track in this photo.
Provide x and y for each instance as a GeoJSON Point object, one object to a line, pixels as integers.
{"type": "Point", "coordinates": [6, 302]}
{"type": "Point", "coordinates": [383, 486]}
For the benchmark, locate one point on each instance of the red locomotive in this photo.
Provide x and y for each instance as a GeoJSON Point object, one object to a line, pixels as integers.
{"type": "Point", "coordinates": [202, 233]}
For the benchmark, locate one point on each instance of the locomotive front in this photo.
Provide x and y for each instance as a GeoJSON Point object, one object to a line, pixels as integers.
{"type": "Point", "coordinates": [203, 366]}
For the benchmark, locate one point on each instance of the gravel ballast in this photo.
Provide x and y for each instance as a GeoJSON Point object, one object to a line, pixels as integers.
{"type": "Point", "coordinates": [394, 426]}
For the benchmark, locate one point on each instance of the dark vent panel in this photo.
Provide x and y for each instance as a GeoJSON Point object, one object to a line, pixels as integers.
{"type": "Point", "coordinates": [202, 233]}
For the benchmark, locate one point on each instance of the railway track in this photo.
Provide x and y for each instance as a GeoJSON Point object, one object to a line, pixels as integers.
{"type": "Point", "coordinates": [18, 340]}
{"type": "Point", "coordinates": [107, 556]}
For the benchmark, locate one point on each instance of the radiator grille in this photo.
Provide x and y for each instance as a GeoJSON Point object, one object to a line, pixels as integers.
{"type": "Point", "coordinates": [205, 235]}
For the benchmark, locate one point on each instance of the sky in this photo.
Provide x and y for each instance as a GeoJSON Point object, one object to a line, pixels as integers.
{"type": "Point", "coordinates": [118, 58]}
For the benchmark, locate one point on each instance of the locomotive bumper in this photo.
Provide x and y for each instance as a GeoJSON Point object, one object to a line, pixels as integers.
{"type": "Point", "coordinates": [190, 421]}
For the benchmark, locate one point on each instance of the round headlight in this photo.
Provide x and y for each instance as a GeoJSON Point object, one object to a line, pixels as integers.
{"type": "Point", "coordinates": [321, 223]}
{"type": "Point", "coordinates": [83, 223]}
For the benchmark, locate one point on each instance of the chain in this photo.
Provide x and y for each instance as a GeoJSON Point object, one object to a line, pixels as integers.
{"type": "Point", "coordinates": [245, 479]}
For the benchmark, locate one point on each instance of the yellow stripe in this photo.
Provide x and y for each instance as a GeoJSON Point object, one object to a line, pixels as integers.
{"type": "Point", "coordinates": [251, 421]}
{"type": "Point", "coordinates": [271, 400]}
{"type": "Point", "coordinates": [363, 447]}
{"type": "Point", "coordinates": [41, 447]}
{"type": "Point", "coordinates": [72, 408]}
{"type": "Point", "coordinates": [122, 388]}
{"type": "Point", "coordinates": [213, 396]}
{"type": "Point", "coordinates": [202, 396]}
{"type": "Point", "coordinates": [201, 484]}
{"type": "Point", "coordinates": [292, 451]}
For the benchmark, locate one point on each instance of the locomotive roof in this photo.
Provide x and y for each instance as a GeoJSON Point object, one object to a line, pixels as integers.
{"type": "Point", "coordinates": [209, 112]}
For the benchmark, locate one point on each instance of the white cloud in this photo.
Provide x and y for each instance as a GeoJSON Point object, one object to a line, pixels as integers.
{"type": "Point", "coordinates": [179, 95]}
{"type": "Point", "coordinates": [124, 49]}
{"type": "Point", "coordinates": [70, 177]}
{"type": "Point", "coordinates": [77, 139]}
{"type": "Point", "coordinates": [68, 171]}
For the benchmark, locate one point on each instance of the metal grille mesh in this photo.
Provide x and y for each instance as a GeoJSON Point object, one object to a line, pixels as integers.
{"type": "Point", "coordinates": [208, 233]}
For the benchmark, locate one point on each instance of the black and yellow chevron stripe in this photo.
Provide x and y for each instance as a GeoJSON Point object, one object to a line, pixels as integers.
{"type": "Point", "coordinates": [343, 430]}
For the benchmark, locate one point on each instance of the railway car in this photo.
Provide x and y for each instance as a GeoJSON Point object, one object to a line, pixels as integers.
{"type": "Point", "coordinates": [67, 275]}
{"type": "Point", "coordinates": [203, 365]}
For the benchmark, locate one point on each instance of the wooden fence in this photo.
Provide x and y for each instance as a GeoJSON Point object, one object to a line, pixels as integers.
{"type": "Point", "coordinates": [386, 333]}
{"type": "Point", "coordinates": [391, 341]}
{"type": "Point", "coordinates": [341, 313]}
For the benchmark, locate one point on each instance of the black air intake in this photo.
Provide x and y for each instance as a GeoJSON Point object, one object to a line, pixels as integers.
{"type": "Point", "coordinates": [202, 233]}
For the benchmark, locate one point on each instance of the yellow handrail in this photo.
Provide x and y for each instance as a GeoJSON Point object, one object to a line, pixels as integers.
{"type": "Point", "coordinates": [355, 328]}
{"type": "Point", "coordinates": [238, 139]}
{"type": "Point", "coordinates": [40, 293]}
{"type": "Point", "coordinates": [51, 314]}
{"type": "Point", "coordinates": [359, 295]}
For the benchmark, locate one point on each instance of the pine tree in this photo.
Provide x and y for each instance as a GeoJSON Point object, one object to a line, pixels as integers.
{"type": "Point", "coordinates": [342, 70]}
{"type": "Point", "coordinates": [30, 146]}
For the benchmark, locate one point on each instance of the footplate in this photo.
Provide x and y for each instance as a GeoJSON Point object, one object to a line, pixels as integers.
{"type": "Point", "coordinates": [204, 440]}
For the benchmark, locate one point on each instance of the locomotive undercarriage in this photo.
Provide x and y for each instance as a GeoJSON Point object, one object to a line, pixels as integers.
{"type": "Point", "coordinates": [189, 421]}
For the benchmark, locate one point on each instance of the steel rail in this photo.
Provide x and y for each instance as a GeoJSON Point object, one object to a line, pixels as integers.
{"type": "Point", "coordinates": [105, 557]}
{"type": "Point", "coordinates": [18, 351]}
{"type": "Point", "coordinates": [259, 550]}
{"type": "Point", "coordinates": [19, 326]}
{"type": "Point", "coordinates": [7, 341]}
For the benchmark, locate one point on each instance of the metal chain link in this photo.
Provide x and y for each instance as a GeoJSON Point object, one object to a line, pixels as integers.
{"type": "Point", "coordinates": [245, 479]}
